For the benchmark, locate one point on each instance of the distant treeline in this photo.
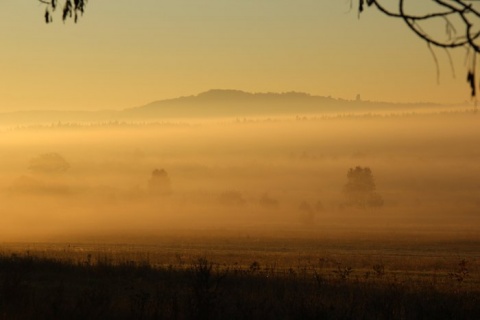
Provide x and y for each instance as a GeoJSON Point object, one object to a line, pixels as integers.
{"type": "Point", "coordinates": [98, 125]}
{"type": "Point", "coordinates": [164, 124]}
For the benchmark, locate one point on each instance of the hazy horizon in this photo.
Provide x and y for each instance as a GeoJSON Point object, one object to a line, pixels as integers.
{"type": "Point", "coordinates": [228, 91]}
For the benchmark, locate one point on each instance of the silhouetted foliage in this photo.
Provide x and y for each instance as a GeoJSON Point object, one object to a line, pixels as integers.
{"type": "Point", "coordinates": [35, 186]}
{"type": "Point", "coordinates": [231, 198]}
{"type": "Point", "coordinates": [48, 163]}
{"type": "Point", "coordinates": [159, 182]}
{"type": "Point", "coordinates": [319, 206]}
{"type": "Point", "coordinates": [307, 213]}
{"type": "Point", "coordinates": [459, 19]}
{"type": "Point", "coordinates": [71, 9]}
{"type": "Point", "coordinates": [360, 189]}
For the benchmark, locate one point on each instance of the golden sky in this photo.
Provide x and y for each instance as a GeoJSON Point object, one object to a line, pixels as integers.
{"type": "Point", "coordinates": [127, 53]}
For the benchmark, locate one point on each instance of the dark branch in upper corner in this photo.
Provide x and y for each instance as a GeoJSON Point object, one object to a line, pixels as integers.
{"type": "Point", "coordinates": [464, 32]}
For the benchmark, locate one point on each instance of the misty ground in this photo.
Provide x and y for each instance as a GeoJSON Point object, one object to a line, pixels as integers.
{"type": "Point", "coordinates": [261, 192]}
{"type": "Point", "coordinates": [240, 176]}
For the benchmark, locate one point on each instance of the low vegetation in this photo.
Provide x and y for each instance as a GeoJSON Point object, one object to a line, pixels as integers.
{"type": "Point", "coordinates": [105, 286]}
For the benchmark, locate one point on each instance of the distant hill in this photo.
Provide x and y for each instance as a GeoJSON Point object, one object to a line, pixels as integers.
{"type": "Point", "coordinates": [221, 104]}
{"type": "Point", "coordinates": [235, 103]}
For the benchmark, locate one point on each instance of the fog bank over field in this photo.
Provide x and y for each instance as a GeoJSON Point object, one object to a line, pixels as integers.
{"type": "Point", "coordinates": [255, 175]}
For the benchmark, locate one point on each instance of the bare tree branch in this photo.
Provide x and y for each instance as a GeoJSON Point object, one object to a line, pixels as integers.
{"type": "Point", "coordinates": [71, 9]}
{"type": "Point", "coordinates": [462, 26]}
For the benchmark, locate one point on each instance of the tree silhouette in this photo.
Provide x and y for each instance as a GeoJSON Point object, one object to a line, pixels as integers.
{"type": "Point", "coordinates": [71, 9]}
{"type": "Point", "coordinates": [360, 189]}
{"type": "Point", "coordinates": [459, 21]}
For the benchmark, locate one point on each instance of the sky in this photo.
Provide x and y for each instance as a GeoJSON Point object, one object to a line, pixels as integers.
{"type": "Point", "coordinates": [124, 54]}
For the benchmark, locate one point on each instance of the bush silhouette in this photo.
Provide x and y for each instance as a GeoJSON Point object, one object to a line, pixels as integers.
{"type": "Point", "coordinates": [267, 202]}
{"type": "Point", "coordinates": [48, 163]}
{"type": "Point", "coordinates": [159, 183]}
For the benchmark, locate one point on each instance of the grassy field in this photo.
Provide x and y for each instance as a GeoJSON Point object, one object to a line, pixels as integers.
{"type": "Point", "coordinates": [208, 275]}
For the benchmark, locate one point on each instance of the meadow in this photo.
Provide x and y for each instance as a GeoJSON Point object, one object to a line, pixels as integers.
{"type": "Point", "coordinates": [241, 218]}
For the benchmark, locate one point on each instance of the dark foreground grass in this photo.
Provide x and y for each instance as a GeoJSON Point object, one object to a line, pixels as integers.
{"type": "Point", "coordinates": [33, 287]}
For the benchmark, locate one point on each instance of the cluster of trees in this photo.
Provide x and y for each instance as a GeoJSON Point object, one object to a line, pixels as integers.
{"type": "Point", "coordinates": [359, 191]}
